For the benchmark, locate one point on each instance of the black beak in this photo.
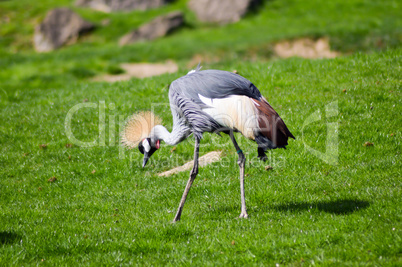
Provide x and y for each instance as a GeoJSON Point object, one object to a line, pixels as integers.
{"type": "Point", "coordinates": [146, 158]}
{"type": "Point", "coordinates": [147, 155]}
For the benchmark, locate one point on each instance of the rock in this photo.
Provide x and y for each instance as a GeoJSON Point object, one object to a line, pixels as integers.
{"type": "Point", "coordinates": [158, 27]}
{"type": "Point", "coordinates": [115, 5]}
{"type": "Point", "coordinates": [222, 11]}
{"type": "Point", "coordinates": [60, 26]}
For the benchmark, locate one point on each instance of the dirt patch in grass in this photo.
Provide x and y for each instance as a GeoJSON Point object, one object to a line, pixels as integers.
{"type": "Point", "coordinates": [302, 47]}
{"type": "Point", "coordinates": [305, 48]}
{"type": "Point", "coordinates": [208, 158]}
{"type": "Point", "coordinates": [140, 70]}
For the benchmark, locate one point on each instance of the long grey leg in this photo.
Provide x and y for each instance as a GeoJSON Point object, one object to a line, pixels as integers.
{"type": "Point", "coordinates": [241, 161]}
{"type": "Point", "coordinates": [193, 174]}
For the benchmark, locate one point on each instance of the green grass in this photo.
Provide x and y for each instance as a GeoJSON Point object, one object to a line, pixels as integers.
{"type": "Point", "coordinates": [303, 211]}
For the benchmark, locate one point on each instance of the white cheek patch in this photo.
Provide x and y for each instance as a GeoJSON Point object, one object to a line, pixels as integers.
{"type": "Point", "coordinates": [146, 145]}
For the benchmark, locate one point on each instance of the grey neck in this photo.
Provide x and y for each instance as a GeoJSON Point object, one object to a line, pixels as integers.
{"type": "Point", "coordinates": [180, 130]}
{"type": "Point", "coordinates": [178, 134]}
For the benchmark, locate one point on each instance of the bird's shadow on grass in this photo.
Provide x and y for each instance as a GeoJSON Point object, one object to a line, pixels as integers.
{"type": "Point", "coordinates": [9, 238]}
{"type": "Point", "coordinates": [338, 207]}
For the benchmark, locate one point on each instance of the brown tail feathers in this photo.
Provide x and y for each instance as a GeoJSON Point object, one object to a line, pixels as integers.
{"type": "Point", "coordinates": [271, 126]}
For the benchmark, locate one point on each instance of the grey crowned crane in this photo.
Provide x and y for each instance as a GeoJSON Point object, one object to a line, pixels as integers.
{"type": "Point", "coordinates": [210, 101]}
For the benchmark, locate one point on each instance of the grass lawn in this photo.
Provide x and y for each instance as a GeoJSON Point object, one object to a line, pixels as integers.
{"type": "Point", "coordinates": [63, 204]}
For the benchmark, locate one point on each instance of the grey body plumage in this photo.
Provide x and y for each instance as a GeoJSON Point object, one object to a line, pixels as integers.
{"type": "Point", "coordinates": [214, 84]}
{"type": "Point", "coordinates": [184, 95]}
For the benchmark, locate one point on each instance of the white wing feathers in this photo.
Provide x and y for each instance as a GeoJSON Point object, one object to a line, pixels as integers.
{"type": "Point", "coordinates": [236, 111]}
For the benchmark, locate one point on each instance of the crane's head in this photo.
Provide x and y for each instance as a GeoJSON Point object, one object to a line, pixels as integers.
{"type": "Point", "coordinates": [137, 132]}
{"type": "Point", "coordinates": [148, 147]}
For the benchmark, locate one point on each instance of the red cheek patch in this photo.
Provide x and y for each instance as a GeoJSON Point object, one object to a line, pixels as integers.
{"type": "Point", "coordinates": [157, 144]}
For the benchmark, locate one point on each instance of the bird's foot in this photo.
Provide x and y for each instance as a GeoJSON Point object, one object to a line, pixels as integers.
{"type": "Point", "coordinates": [178, 215]}
{"type": "Point", "coordinates": [243, 215]}
{"type": "Point", "coordinates": [176, 219]}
